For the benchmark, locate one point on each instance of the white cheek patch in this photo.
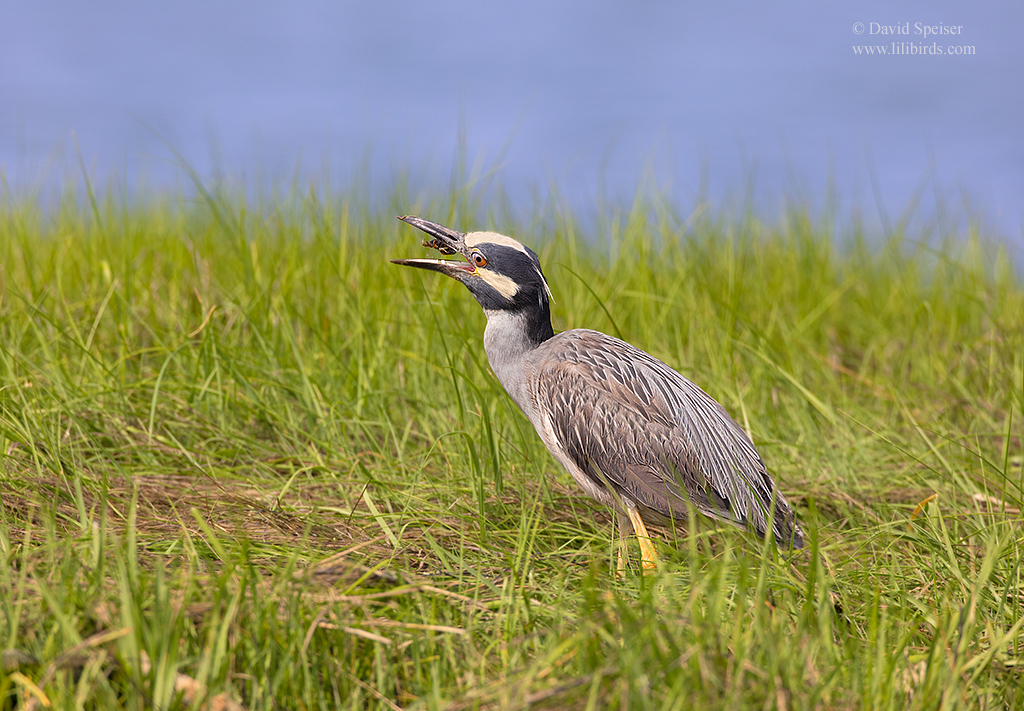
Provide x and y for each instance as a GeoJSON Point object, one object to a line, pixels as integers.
{"type": "Point", "coordinates": [499, 282]}
{"type": "Point", "coordinates": [476, 238]}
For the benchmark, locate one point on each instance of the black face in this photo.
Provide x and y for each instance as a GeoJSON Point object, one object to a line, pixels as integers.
{"type": "Point", "coordinates": [501, 273]}
{"type": "Point", "coordinates": [509, 278]}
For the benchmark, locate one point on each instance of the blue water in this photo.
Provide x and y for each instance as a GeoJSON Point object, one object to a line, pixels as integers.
{"type": "Point", "coordinates": [591, 96]}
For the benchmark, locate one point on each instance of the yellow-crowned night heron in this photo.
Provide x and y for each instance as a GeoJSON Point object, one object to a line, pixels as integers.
{"type": "Point", "coordinates": [634, 433]}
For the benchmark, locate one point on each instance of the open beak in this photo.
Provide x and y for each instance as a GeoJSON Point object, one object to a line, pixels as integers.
{"type": "Point", "coordinates": [446, 241]}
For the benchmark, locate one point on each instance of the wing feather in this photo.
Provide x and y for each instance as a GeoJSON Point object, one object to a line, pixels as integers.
{"type": "Point", "coordinates": [628, 420]}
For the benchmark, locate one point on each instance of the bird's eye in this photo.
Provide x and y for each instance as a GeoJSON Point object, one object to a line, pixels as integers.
{"type": "Point", "coordinates": [479, 259]}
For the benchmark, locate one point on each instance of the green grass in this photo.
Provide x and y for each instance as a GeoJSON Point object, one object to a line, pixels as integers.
{"type": "Point", "coordinates": [244, 455]}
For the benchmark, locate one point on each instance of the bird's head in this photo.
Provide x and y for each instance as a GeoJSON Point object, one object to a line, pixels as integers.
{"type": "Point", "coordinates": [500, 272]}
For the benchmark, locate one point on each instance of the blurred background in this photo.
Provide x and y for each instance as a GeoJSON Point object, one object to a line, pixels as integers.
{"type": "Point", "coordinates": [744, 104]}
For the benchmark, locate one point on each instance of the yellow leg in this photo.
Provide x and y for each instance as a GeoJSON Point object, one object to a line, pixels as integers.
{"type": "Point", "coordinates": [648, 555]}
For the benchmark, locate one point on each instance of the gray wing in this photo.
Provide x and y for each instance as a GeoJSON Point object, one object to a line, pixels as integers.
{"type": "Point", "coordinates": [628, 420]}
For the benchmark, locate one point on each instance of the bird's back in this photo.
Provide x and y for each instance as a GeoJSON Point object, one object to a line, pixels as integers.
{"type": "Point", "coordinates": [629, 421]}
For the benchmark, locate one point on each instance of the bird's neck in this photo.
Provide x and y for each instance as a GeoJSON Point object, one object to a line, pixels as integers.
{"type": "Point", "coordinates": [516, 332]}
{"type": "Point", "coordinates": [510, 337]}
